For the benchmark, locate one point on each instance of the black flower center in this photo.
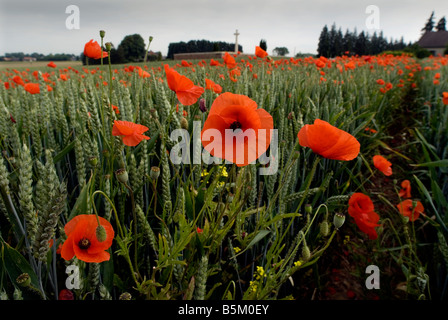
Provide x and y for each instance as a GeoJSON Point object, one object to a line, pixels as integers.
{"type": "Point", "coordinates": [236, 125]}
{"type": "Point", "coordinates": [84, 243]}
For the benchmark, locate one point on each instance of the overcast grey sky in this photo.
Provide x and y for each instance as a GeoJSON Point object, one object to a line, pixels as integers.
{"type": "Point", "coordinates": [40, 25]}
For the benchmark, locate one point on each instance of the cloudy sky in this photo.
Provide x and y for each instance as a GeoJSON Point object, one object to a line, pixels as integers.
{"type": "Point", "coordinates": [40, 25]}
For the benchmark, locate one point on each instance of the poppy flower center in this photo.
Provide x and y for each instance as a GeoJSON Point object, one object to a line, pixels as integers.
{"type": "Point", "coordinates": [84, 243]}
{"type": "Point", "coordinates": [236, 125]}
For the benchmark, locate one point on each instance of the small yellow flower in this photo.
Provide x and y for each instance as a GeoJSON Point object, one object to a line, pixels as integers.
{"type": "Point", "coordinates": [224, 171]}
{"type": "Point", "coordinates": [298, 263]}
{"type": "Point", "coordinates": [260, 273]}
{"type": "Point", "coordinates": [204, 173]}
{"type": "Point", "coordinates": [253, 286]}
{"type": "Point", "coordinates": [237, 249]}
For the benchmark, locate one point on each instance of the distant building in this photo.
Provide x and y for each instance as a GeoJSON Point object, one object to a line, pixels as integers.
{"type": "Point", "coordinates": [29, 59]}
{"type": "Point", "coordinates": [434, 41]}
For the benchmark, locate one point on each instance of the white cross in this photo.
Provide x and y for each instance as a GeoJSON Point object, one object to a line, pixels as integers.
{"type": "Point", "coordinates": [236, 34]}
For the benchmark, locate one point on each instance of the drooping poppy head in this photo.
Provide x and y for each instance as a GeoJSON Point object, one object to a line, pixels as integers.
{"type": "Point", "coordinates": [260, 53]}
{"type": "Point", "coordinates": [132, 133]}
{"type": "Point", "coordinates": [405, 191]}
{"type": "Point", "coordinates": [236, 130]}
{"type": "Point", "coordinates": [329, 141]}
{"type": "Point", "coordinates": [361, 209]}
{"type": "Point", "coordinates": [93, 50]}
{"type": "Point", "coordinates": [411, 209]}
{"type": "Point", "coordinates": [32, 88]}
{"type": "Point", "coordinates": [186, 91]}
{"type": "Point", "coordinates": [82, 240]}
{"type": "Point", "coordinates": [382, 164]}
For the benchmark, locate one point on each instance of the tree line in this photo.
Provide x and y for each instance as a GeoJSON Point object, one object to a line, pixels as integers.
{"type": "Point", "coordinates": [333, 42]}
{"type": "Point", "coordinates": [19, 56]}
{"type": "Point", "coordinates": [200, 46]}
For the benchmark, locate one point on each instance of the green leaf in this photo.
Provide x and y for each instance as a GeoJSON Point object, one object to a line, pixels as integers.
{"type": "Point", "coordinates": [438, 163]}
{"type": "Point", "coordinates": [429, 199]}
{"type": "Point", "coordinates": [80, 206]}
{"type": "Point", "coordinates": [67, 149]}
{"type": "Point", "coordinates": [15, 264]}
{"type": "Point", "coordinates": [260, 235]}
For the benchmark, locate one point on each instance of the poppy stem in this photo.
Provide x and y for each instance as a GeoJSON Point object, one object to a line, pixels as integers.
{"type": "Point", "coordinates": [135, 228]}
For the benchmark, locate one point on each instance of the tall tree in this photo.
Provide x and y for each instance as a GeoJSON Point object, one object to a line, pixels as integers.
{"type": "Point", "coordinates": [323, 47]}
{"type": "Point", "coordinates": [281, 51]}
{"type": "Point", "coordinates": [441, 25]}
{"type": "Point", "coordinates": [133, 48]}
{"type": "Point", "coordinates": [348, 42]}
{"type": "Point", "coordinates": [263, 45]}
{"type": "Point", "coordinates": [429, 24]}
{"type": "Point", "coordinates": [338, 43]}
{"type": "Point", "coordinates": [361, 44]}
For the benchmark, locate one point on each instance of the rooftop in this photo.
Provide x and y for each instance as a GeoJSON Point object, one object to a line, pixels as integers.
{"type": "Point", "coordinates": [434, 39]}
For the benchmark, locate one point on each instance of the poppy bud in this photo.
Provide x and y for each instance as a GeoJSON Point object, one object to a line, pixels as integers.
{"type": "Point", "coordinates": [306, 253]}
{"type": "Point", "coordinates": [102, 33]}
{"type": "Point", "coordinates": [324, 228]}
{"type": "Point", "coordinates": [101, 234]}
{"type": "Point", "coordinates": [202, 106]}
{"type": "Point", "coordinates": [108, 46]}
{"type": "Point", "coordinates": [308, 208]}
{"type": "Point", "coordinates": [24, 280]}
{"type": "Point", "coordinates": [122, 175]}
{"type": "Point", "coordinates": [338, 220]}
{"type": "Point", "coordinates": [125, 296]}
{"type": "Point", "coordinates": [150, 39]}
{"type": "Point", "coordinates": [93, 161]}
{"type": "Point", "coordinates": [154, 173]}
{"type": "Point", "coordinates": [184, 123]}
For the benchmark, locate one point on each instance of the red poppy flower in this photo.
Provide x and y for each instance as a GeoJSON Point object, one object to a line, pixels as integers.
{"type": "Point", "coordinates": [214, 63]}
{"type": "Point", "coordinates": [210, 85]}
{"type": "Point", "coordinates": [93, 50]}
{"type": "Point", "coordinates": [405, 191]}
{"type": "Point", "coordinates": [361, 208]}
{"type": "Point", "coordinates": [329, 141]}
{"type": "Point", "coordinates": [229, 61]}
{"type": "Point", "coordinates": [407, 209]}
{"type": "Point", "coordinates": [260, 53]}
{"type": "Point", "coordinates": [185, 63]}
{"type": "Point", "coordinates": [116, 110]}
{"type": "Point", "coordinates": [187, 93]}
{"type": "Point", "coordinates": [445, 98]}
{"type": "Point", "coordinates": [382, 164]}
{"type": "Point", "coordinates": [18, 80]}
{"type": "Point", "coordinates": [380, 82]}
{"type": "Point", "coordinates": [228, 113]}
{"type": "Point", "coordinates": [82, 241]}
{"type": "Point", "coordinates": [51, 64]}
{"type": "Point", "coordinates": [66, 294]}
{"type": "Point", "coordinates": [32, 88]}
{"type": "Point", "coordinates": [132, 133]}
